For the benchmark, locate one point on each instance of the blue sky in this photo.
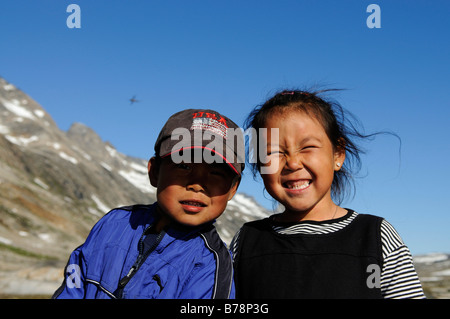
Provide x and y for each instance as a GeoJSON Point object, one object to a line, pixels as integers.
{"type": "Point", "coordinates": [231, 56]}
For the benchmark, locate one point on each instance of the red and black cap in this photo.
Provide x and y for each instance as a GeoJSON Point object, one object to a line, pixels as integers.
{"type": "Point", "coordinates": [206, 130]}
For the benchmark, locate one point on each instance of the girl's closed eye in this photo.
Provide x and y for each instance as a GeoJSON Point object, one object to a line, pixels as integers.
{"type": "Point", "coordinates": [273, 156]}
{"type": "Point", "coordinates": [274, 152]}
{"type": "Point", "coordinates": [310, 143]}
{"type": "Point", "coordinates": [310, 147]}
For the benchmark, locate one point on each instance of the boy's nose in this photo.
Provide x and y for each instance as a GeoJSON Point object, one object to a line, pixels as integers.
{"type": "Point", "coordinates": [194, 181]}
{"type": "Point", "coordinates": [195, 187]}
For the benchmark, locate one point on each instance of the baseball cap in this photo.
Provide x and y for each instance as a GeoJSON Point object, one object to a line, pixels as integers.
{"type": "Point", "coordinates": [206, 133]}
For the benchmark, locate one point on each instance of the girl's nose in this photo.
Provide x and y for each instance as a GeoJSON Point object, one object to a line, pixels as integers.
{"type": "Point", "coordinates": [293, 163]}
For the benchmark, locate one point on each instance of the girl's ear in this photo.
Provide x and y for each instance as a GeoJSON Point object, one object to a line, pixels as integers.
{"type": "Point", "coordinates": [153, 171]}
{"type": "Point", "coordinates": [339, 157]}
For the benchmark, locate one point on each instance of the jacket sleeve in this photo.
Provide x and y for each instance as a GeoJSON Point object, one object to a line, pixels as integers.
{"type": "Point", "coordinates": [74, 283]}
{"type": "Point", "coordinates": [73, 286]}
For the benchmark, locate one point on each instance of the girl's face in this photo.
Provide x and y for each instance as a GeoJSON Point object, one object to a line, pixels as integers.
{"type": "Point", "coordinates": [305, 165]}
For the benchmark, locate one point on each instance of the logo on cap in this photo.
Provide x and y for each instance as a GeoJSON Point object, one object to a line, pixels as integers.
{"type": "Point", "coordinates": [209, 122]}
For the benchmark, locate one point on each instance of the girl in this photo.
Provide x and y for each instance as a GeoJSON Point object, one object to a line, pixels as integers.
{"type": "Point", "coordinates": [315, 248]}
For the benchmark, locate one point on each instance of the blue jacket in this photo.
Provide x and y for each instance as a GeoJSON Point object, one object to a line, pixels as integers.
{"type": "Point", "coordinates": [115, 262]}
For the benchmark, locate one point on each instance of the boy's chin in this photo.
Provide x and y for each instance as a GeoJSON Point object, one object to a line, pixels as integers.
{"type": "Point", "coordinates": [189, 224]}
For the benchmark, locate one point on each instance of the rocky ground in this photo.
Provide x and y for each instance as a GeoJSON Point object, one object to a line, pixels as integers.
{"type": "Point", "coordinates": [434, 273]}
{"type": "Point", "coordinates": [36, 277]}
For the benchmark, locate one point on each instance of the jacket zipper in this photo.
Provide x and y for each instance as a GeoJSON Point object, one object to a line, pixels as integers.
{"type": "Point", "coordinates": [139, 260]}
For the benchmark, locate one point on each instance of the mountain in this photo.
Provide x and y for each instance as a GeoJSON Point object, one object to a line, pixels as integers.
{"type": "Point", "coordinates": [55, 185]}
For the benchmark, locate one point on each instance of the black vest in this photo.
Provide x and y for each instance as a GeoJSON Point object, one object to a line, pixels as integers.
{"type": "Point", "coordinates": [271, 265]}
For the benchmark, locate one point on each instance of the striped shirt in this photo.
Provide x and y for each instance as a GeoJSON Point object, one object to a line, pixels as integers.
{"type": "Point", "coordinates": [399, 279]}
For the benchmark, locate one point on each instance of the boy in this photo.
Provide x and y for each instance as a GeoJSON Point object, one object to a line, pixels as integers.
{"type": "Point", "coordinates": [169, 249]}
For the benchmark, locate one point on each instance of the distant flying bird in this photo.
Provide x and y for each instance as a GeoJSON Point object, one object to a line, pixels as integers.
{"type": "Point", "coordinates": [133, 100]}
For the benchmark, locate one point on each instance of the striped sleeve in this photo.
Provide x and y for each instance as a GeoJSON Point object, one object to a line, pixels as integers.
{"type": "Point", "coordinates": [399, 279]}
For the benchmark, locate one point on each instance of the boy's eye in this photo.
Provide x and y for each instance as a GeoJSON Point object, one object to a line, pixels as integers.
{"type": "Point", "coordinates": [183, 166]}
{"type": "Point", "coordinates": [218, 172]}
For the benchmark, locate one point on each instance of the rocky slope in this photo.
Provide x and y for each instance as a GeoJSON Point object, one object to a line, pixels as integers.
{"type": "Point", "coordinates": [55, 185]}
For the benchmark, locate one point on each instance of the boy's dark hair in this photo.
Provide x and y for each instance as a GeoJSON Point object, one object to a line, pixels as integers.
{"type": "Point", "coordinates": [335, 120]}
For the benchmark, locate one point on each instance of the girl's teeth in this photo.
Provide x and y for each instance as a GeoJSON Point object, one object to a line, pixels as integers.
{"type": "Point", "coordinates": [298, 185]}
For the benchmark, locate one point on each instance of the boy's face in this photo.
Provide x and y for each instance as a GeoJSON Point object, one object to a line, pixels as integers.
{"type": "Point", "coordinates": [192, 193]}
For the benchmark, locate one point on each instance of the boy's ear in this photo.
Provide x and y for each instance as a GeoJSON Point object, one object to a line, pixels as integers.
{"type": "Point", "coordinates": [234, 188]}
{"type": "Point", "coordinates": [153, 171]}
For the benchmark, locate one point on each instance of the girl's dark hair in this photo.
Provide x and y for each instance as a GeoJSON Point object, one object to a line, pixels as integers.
{"type": "Point", "coordinates": [339, 124]}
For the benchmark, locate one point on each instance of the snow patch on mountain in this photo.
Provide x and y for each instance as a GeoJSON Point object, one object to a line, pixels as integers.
{"type": "Point", "coordinates": [138, 179]}
{"type": "Point", "coordinates": [15, 107]}
{"type": "Point", "coordinates": [21, 140]}
{"type": "Point", "coordinates": [431, 258]}
{"type": "Point", "coordinates": [68, 158]}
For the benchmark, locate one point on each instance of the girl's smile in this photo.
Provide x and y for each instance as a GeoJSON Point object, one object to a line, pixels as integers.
{"type": "Point", "coordinates": [297, 185]}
